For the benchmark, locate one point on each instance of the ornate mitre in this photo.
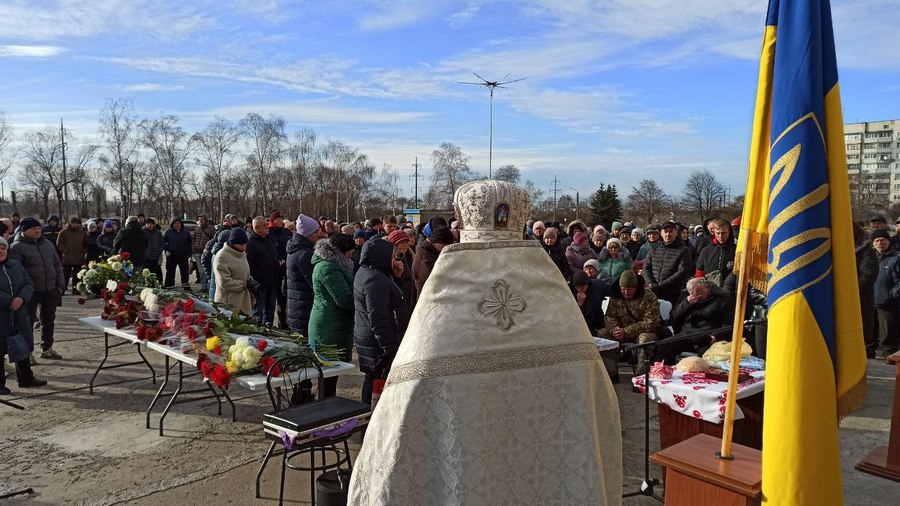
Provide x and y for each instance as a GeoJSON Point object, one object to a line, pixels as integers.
{"type": "Point", "coordinates": [491, 210]}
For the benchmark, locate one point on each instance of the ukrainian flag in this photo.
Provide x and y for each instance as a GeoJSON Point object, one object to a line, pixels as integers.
{"type": "Point", "coordinates": [798, 222]}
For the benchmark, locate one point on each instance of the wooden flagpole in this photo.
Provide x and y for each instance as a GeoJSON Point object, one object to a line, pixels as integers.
{"type": "Point", "coordinates": [737, 342]}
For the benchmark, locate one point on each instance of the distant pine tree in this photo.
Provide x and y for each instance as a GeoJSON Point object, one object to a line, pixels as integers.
{"type": "Point", "coordinates": [606, 206]}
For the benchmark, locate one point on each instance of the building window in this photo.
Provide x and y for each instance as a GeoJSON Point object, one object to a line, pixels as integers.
{"type": "Point", "coordinates": [884, 144]}
{"type": "Point", "coordinates": [870, 156]}
{"type": "Point", "coordinates": [869, 145]}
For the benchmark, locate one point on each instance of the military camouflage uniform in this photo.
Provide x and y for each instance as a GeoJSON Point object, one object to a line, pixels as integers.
{"type": "Point", "coordinates": [639, 318]}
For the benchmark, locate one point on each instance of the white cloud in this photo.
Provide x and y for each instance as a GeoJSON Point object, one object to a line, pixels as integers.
{"type": "Point", "coordinates": [315, 112]}
{"type": "Point", "coordinates": [148, 87]}
{"type": "Point", "coordinates": [30, 51]}
{"type": "Point", "coordinates": [28, 20]}
{"type": "Point", "coordinates": [392, 14]}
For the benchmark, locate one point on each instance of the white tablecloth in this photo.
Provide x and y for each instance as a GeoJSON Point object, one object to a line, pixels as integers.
{"type": "Point", "coordinates": [693, 395]}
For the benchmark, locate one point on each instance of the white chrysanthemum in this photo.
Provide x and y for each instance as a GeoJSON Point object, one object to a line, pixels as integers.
{"type": "Point", "coordinates": [116, 266]}
{"type": "Point", "coordinates": [112, 285]}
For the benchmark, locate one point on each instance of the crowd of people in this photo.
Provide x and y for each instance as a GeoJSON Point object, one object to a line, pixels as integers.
{"type": "Point", "coordinates": [356, 284]}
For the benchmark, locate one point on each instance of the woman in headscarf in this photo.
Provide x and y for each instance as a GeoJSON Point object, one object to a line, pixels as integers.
{"type": "Point", "coordinates": [614, 260]}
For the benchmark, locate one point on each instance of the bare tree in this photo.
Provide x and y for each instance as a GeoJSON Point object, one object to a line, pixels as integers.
{"type": "Point", "coordinates": [350, 173]}
{"type": "Point", "coordinates": [451, 170]}
{"type": "Point", "coordinates": [648, 200]}
{"type": "Point", "coordinates": [703, 194]}
{"type": "Point", "coordinates": [304, 155]}
{"type": "Point", "coordinates": [266, 138]}
{"type": "Point", "coordinates": [120, 144]}
{"type": "Point", "coordinates": [43, 155]}
{"type": "Point", "coordinates": [215, 153]}
{"type": "Point", "coordinates": [6, 136]}
{"type": "Point", "coordinates": [170, 146]}
{"type": "Point", "coordinates": [508, 173]}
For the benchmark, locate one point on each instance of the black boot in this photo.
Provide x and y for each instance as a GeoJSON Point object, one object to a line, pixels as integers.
{"type": "Point", "coordinates": [26, 376]}
{"type": "Point", "coordinates": [3, 389]}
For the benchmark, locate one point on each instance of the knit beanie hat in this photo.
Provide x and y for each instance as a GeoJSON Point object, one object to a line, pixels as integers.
{"type": "Point", "coordinates": [28, 222]}
{"type": "Point", "coordinates": [3, 242]}
{"type": "Point", "coordinates": [614, 240]}
{"type": "Point", "coordinates": [237, 236]}
{"type": "Point", "coordinates": [628, 279]}
{"type": "Point", "coordinates": [579, 237]}
{"type": "Point", "coordinates": [397, 236]}
{"type": "Point", "coordinates": [592, 263]}
{"type": "Point", "coordinates": [598, 236]}
{"type": "Point", "coordinates": [342, 242]}
{"type": "Point", "coordinates": [551, 232]}
{"type": "Point", "coordinates": [441, 235]}
{"type": "Point", "coordinates": [359, 234]}
{"type": "Point", "coordinates": [110, 224]}
{"type": "Point", "coordinates": [306, 225]}
{"type": "Point", "coordinates": [881, 233]}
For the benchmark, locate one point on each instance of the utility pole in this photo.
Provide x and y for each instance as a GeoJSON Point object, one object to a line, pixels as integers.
{"type": "Point", "coordinates": [416, 183]}
{"type": "Point", "coordinates": [555, 192]}
{"type": "Point", "coordinates": [65, 181]}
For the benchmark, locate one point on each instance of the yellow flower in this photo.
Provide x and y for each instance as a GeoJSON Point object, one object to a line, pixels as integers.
{"type": "Point", "coordinates": [212, 342]}
{"type": "Point", "coordinates": [231, 367]}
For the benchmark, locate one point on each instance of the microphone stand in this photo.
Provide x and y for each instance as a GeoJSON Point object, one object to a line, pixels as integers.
{"type": "Point", "coordinates": [646, 488]}
{"type": "Point", "coordinates": [7, 403]}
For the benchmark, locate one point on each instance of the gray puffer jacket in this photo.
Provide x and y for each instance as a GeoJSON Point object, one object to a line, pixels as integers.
{"type": "Point", "coordinates": [41, 262]}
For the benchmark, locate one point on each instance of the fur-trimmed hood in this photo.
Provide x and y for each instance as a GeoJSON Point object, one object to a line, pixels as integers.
{"type": "Point", "coordinates": [325, 251]}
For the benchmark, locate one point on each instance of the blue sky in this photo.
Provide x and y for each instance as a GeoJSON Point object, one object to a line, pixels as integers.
{"type": "Point", "coordinates": [615, 91]}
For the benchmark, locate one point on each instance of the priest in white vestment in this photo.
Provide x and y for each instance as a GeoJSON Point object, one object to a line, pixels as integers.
{"type": "Point", "coordinates": [497, 394]}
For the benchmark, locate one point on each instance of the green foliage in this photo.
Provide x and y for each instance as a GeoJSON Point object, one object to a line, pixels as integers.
{"type": "Point", "coordinates": [606, 207]}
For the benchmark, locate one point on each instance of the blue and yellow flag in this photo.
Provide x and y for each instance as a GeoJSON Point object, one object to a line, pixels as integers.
{"type": "Point", "coordinates": [798, 223]}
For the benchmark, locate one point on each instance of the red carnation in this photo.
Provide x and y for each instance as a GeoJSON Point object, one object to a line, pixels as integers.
{"type": "Point", "coordinates": [125, 255]}
{"type": "Point", "coordinates": [122, 285]}
{"type": "Point", "coordinates": [81, 300]}
{"type": "Point", "coordinates": [191, 333]}
{"type": "Point", "coordinates": [104, 293]}
{"type": "Point", "coordinates": [188, 306]}
{"type": "Point", "coordinates": [261, 345]}
{"type": "Point", "coordinates": [220, 376]}
{"type": "Point", "coordinates": [270, 363]}
{"type": "Point", "coordinates": [141, 332]}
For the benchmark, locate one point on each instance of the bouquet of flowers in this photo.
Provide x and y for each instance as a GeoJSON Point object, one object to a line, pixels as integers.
{"type": "Point", "coordinates": [118, 269]}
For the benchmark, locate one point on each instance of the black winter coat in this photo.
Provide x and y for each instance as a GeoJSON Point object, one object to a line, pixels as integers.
{"type": "Point", "coordinates": [592, 309]}
{"type": "Point", "coordinates": [41, 261]}
{"type": "Point", "coordinates": [887, 285]}
{"type": "Point", "coordinates": [717, 257]}
{"type": "Point", "coordinates": [92, 250]}
{"type": "Point", "coordinates": [281, 237]}
{"type": "Point", "coordinates": [179, 244]}
{"type": "Point", "coordinates": [155, 245]}
{"type": "Point", "coordinates": [300, 293]}
{"type": "Point", "coordinates": [715, 312]}
{"type": "Point", "coordinates": [263, 260]}
{"type": "Point", "coordinates": [380, 309]}
{"type": "Point", "coordinates": [132, 240]}
{"type": "Point", "coordinates": [667, 270]}
{"type": "Point", "coordinates": [557, 254]}
{"type": "Point", "coordinates": [867, 273]}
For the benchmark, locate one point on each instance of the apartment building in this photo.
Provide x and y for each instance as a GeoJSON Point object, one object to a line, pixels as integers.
{"type": "Point", "coordinates": [873, 160]}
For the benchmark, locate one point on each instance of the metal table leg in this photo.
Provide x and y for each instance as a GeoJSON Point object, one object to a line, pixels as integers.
{"type": "Point", "coordinates": [159, 392]}
{"type": "Point", "coordinates": [103, 366]}
{"type": "Point", "coordinates": [174, 396]}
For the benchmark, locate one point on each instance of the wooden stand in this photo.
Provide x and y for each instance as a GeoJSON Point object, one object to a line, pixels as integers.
{"type": "Point", "coordinates": [884, 461]}
{"type": "Point", "coordinates": [696, 476]}
{"type": "Point", "coordinates": [675, 427]}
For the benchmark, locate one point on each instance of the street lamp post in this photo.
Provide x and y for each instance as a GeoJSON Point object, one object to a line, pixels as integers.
{"type": "Point", "coordinates": [576, 201]}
